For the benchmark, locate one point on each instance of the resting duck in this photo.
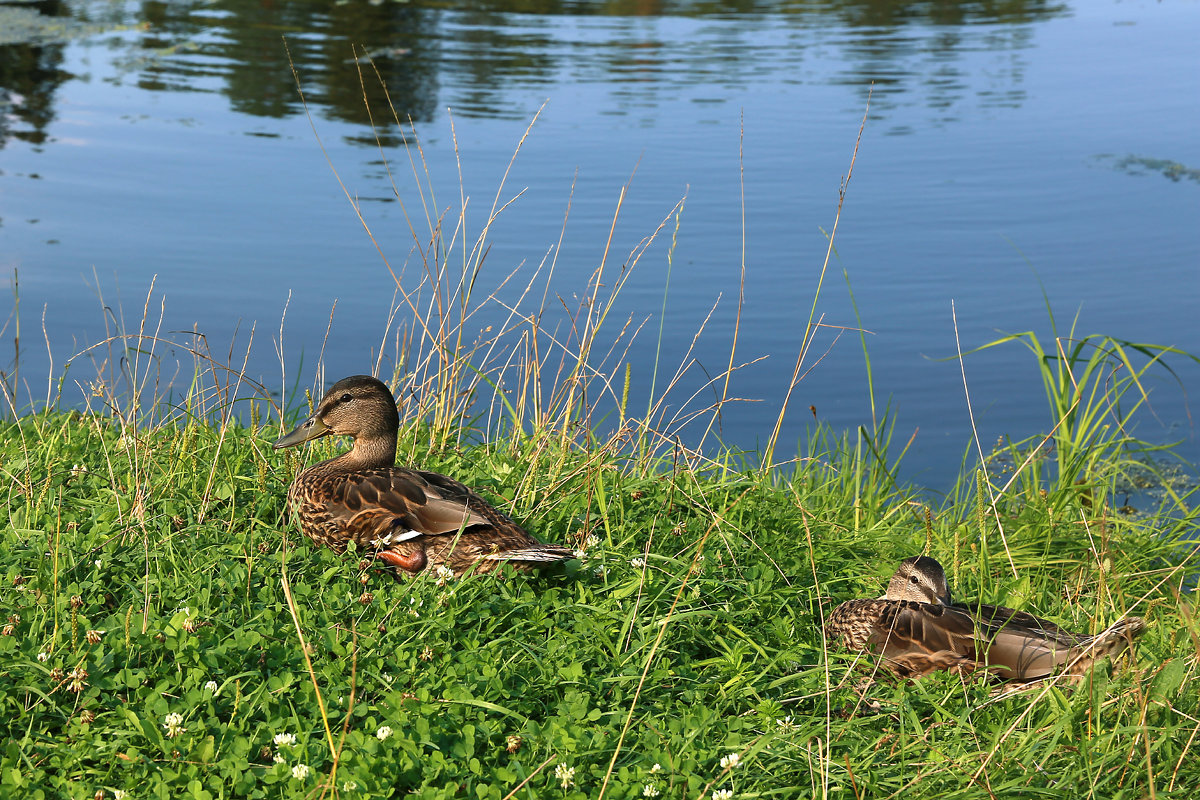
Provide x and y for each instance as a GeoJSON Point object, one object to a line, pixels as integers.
{"type": "Point", "coordinates": [410, 518]}
{"type": "Point", "coordinates": [918, 629]}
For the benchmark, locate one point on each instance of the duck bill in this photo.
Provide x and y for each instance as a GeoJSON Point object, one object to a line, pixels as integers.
{"type": "Point", "coordinates": [311, 428]}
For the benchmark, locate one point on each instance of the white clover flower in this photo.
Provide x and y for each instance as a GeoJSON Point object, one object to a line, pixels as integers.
{"type": "Point", "coordinates": [43, 656]}
{"type": "Point", "coordinates": [649, 790]}
{"type": "Point", "coordinates": [656, 768]}
{"type": "Point", "coordinates": [97, 563]}
{"type": "Point", "coordinates": [444, 574]}
{"type": "Point", "coordinates": [383, 733]}
{"type": "Point", "coordinates": [786, 724]}
{"type": "Point", "coordinates": [282, 739]}
{"type": "Point", "coordinates": [637, 563]}
{"type": "Point", "coordinates": [730, 761]}
{"type": "Point", "coordinates": [722, 794]}
{"type": "Point", "coordinates": [565, 775]}
{"type": "Point", "coordinates": [212, 687]}
{"type": "Point", "coordinates": [349, 786]}
{"type": "Point", "coordinates": [120, 794]}
{"type": "Point", "coordinates": [591, 541]}
{"type": "Point", "coordinates": [387, 677]}
{"type": "Point", "coordinates": [300, 771]}
{"type": "Point", "coordinates": [174, 725]}
{"type": "Point", "coordinates": [278, 758]}
{"type": "Point", "coordinates": [601, 571]}
{"type": "Point", "coordinates": [580, 554]}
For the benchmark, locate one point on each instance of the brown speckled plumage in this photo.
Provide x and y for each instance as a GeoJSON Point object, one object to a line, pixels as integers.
{"type": "Point", "coordinates": [410, 518]}
{"type": "Point", "coordinates": [917, 629]}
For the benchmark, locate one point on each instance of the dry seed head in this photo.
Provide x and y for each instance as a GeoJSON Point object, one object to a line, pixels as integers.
{"type": "Point", "coordinates": [87, 716]}
{"type": "Point", "coordinates": [56, 674]}
{"type": "Point", "coordinates": [8, 630]}
{"type": "Point", "coordinates": [513, 743]}
{"type": "Point", "coordinates": [93, 637]}
{"type": "Point", "coordinates": [366, 599]}
{"type": "Point", "coordinates": [76, 602]}
{"type": "Point", "coordinates": [139, 505]}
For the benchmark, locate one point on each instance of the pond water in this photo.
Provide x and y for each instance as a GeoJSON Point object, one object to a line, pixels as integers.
{"type": "Point", "coordinates": [1007, 148]}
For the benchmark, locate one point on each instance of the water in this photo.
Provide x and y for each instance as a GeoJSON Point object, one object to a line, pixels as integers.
{"type": "Point", "coordinates": [1052, 144]}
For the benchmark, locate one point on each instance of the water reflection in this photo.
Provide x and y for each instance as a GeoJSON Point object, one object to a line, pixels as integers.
{"type": "Point", "coordinates": [30, 72]}
{"type": "Point", "coordinates": [496, 59]}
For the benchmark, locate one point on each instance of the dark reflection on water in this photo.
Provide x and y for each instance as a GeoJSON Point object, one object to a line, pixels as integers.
{"type": "Point", "coordinates": [29, 75]}
{"type": "Point", "coordinates": [483, 52]}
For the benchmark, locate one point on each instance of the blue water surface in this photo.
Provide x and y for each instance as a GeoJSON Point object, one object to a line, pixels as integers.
{"type": "Point", "coordinates": [1051, 146]}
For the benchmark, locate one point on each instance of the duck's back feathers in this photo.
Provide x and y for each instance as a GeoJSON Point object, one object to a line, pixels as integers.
{"type": "Point", "coordinates": [426, 518]}
{"type": "Point", "coordinates": [913, 638]}
{"type": "Point", "coordinates": [371, 506]}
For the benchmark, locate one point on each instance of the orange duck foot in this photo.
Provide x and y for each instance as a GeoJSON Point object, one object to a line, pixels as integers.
{"type": "Point", "coordinates": [412, 563]}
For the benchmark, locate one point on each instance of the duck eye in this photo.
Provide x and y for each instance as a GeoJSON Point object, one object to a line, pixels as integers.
{"type": "Point", "coordinates": [346, 398]}
{"type": "Point", "coordinates": [914, 579]}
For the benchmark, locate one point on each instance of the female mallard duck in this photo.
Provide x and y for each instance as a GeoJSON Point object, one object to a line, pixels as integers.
{"type": "Point", "coordinates": [918, 629]}
{"type": "Point", "coordinates": [410, 518]}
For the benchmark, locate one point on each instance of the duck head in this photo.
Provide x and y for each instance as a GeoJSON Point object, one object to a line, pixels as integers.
{"type": "Point", "coordinates": [360, 407]}
{"type": "Point", "coordinates": [920, 579]}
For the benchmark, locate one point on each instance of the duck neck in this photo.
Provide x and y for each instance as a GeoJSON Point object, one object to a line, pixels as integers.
{"type": "Point", "coordinates": [370, 453]}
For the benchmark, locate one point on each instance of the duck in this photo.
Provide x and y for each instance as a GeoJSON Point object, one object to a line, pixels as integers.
{"type": "Point", "coordinates": [411, 519]}
{"type": "Point", "coordinates": [918, 629]}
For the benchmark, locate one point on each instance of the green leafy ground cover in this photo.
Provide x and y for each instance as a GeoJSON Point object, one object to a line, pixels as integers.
{"type": "Point", "coordinates": [146, 573]}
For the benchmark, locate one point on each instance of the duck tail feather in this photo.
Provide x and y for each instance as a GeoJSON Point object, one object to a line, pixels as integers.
{"type": "Point", "coordinates": [1107, 644]}
{"type": "Point", "coordinates": [544, 553]}
{"type": "Point", "coordinates": [1119, 636]}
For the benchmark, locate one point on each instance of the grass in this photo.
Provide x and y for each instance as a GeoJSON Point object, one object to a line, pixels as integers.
{"type": "Point", "coordinates": [168, 633]}
{"type": "Point", "coordinates": [693, 620]}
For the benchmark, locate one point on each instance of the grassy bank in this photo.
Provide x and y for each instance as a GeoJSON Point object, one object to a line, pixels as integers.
{"type": "Point", "coordinates": [150, 573]}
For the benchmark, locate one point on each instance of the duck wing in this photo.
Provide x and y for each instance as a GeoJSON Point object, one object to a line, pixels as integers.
{"type": "Point", "coordinates": [913, 638]}
{"type": "Point", "coordinates": [996, 617]}
{"type": "Point", "coordinates": [1023, 647]}
{"type": "Point", "coordinates": [380, 507]}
